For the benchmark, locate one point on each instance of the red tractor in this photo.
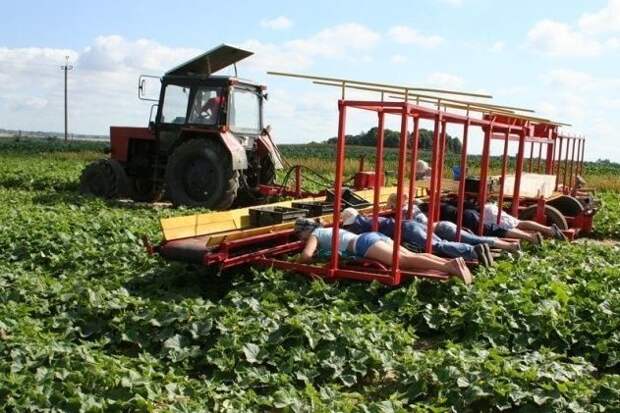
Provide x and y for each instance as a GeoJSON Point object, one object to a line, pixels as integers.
{"type": "Point", "coordinates": [207, 146]}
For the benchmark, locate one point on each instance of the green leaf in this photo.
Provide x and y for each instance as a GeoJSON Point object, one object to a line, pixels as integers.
{"type": "Point", "coordinates": [462, 382]}
{"type": "Point", "coordinates": [251, 352]}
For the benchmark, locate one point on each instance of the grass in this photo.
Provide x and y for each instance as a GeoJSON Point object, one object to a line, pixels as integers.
{"type": "Point", "coordinates": [90, 322]}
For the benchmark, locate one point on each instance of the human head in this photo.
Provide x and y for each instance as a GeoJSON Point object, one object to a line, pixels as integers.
{"type": "Point", "coordinates": [422, 169]}
{"type": "Point", "coordinates": [348, 216]}
{"type": "Point", "coordinates": [304, 227]}
{"type": "Point", "coordinates": [579, 181]}
{"type": "Point", "coordinates": [391, 201]}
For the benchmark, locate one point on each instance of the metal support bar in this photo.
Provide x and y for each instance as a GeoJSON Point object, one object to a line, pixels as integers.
{"type": "Point", "coordinates": [503, 179]}
{"type": "Point", "coordinates": [433, 186]}
{"type": "Point", "coordinates": [568, 140]}
{"type": "Point", "coordinates": [571, 183]}
{"type": "Point", "coordinates": [333, 264]}
{"type": "Point", "coordinates": [378, 170]}
{"type": "Point", "coordinates": [398, 217]}
{"type": "Point", "coordinates": [461, 195]}
{"type": "Point", "coordinates": [518, 172]}
{"type": "Point", "coordinates": [484, 175]}
{"type": "Point", "coordinates": [558, 163]}
{"type": "Point", "coordinates": [413, 168]}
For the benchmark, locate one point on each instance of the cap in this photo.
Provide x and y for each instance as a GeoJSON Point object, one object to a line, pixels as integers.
{"type": "Point", "coordinates": [391, 201]}
{"type": "Point", "coordinates": [422, 167]}
{"type": "Point", "coordinates": [348, 215]}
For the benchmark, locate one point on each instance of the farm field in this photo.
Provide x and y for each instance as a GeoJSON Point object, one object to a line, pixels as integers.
{"type": "Point", "coordinates": [89, 322]}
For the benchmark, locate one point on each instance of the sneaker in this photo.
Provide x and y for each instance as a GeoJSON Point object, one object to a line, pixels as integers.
{"type": "Point", "coordinates": [557, 233]}
{"type": "Point", "coordinates": [483, 258]}
{"type": "Point", "coordinates": [539, 238]}
{"type": "Point", "coordinates": [489, 254]}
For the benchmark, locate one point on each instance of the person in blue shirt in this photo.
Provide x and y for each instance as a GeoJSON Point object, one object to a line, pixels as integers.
{"type": "Point", "coordinates": [414, 233]}
{"type": "Point", "coordinates": [374, 246]}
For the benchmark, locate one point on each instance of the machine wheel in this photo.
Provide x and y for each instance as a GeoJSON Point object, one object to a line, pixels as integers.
{"type": "Point", "coordinates": [200, 174]}
{"type": "Point", "coordinates": [143, 190]}
{"type": "Point", "coordinates": [552, 214]}
{"type": "Point", "coordinates": [567, 205]}
{"type": "Point", "coordinates": [104, 178]}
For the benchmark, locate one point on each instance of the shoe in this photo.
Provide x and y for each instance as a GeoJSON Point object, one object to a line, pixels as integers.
{"type": "Point", "coordinates": [489, 254]}
{"type": "Point", "coordinates": [539, 238]}
{"type": "Point", "coordinates": [483, 258]}
{"type": "Point", "coordinates": [557, 233]}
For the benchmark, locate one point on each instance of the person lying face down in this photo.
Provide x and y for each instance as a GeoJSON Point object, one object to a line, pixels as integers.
{"type": "Point", "coordinates": [414, 233]}
{"type": "Point", "coordinates": [447, 231]}
{"type": "Point", "coordinates": [374, 246]}
{"type": "Point", "coordinates": [508, 226]}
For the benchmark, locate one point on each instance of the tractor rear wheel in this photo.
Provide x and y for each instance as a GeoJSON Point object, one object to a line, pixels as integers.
{"type": "Point", "coordinates": [552, 215]}
{"type": "Point", "coordinates": [104, 178]}
{"type": "Point", "coordinates": [200, 174]}
{"type": "Point", "coordinates": [567, 205]}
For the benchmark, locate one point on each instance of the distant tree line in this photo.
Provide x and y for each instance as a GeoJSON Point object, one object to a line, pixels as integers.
{"type": "Point", "coordinates": [392, 140]}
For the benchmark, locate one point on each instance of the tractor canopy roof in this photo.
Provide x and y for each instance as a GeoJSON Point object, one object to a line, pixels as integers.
{"type": "Point", "coordinates": [210, 62]}
{"type": "Point", "coordinates": [201, 68]}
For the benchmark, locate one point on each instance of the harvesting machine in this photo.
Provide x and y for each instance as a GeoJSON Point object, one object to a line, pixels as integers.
{"type": "Point", "coordinates": [237, 237]}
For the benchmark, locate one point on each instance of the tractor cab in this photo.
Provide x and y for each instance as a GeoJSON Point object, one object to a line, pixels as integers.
{"type": "Point", "coordinates": [205, 145]}
{"type": "Point", "coordinates": [215, 103]}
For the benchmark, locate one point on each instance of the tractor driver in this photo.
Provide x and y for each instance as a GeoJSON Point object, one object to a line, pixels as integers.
{"type": "Point", "coordinates": [206, 108]}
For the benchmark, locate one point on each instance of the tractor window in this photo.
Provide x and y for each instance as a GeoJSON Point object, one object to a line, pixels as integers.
{"type": "Point", "coordinates": [245, 111]}
{"type": "Point", "coordinates": [206, 106]}
{"type": "Point", "coordinates": [175, 104]}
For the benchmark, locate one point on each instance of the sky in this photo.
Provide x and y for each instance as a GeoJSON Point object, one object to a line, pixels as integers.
{"type": "Point", "coordinates": [559, 58]}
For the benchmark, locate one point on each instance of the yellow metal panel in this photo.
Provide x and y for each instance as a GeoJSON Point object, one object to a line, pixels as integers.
{"type": "Point", "coordinates": [227, 224]}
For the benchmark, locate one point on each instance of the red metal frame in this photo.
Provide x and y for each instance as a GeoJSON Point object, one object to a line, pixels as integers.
{"type": "Point", "coordinates": [495, 127]}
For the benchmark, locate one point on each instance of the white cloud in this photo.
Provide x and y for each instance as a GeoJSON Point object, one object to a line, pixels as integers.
{"type": "Point", "coordinates": [569, 79]}
{"type": "Point", "coordinates": [452, 2]}
{"type": "Point", "coordinates": [582, 39]}
{"type": "Point", "coordinates": [278, 23]}
{"type": "Point", "coordinates": [398, 59]}
{"type": "Point", "coordinates": [559, 39]}
{"type": "Point", "coordinates": [102, 86]}
{"type": "Point", "coordinates": [345, 41]}
{"type": "Point", "coordinates": [445, 80]}
{"type": "Point", "coordinates": [497, 47]}
{"type": "Point", "coordinates": [408, 35]}
{"type": "Point", "coordinates": [605, 20]}
{"type": "Point", "coordinates": [114, 53]}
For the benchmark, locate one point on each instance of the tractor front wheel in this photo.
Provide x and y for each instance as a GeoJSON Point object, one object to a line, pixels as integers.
{"type": "Point", "coordinates": [199, 174]}
{"type": "Point", "coordinates": [104, 178]}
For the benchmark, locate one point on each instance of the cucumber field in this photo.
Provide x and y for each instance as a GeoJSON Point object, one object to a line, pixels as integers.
{"type": "Point", "coordinates": [89, 322]}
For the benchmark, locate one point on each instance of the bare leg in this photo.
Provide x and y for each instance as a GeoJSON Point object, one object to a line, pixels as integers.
{"type": "Point", "coordinates": [506, 245]}
{"type": "Point", "coordinates": [382, 252]}
{"type": "Point", "coordinates": [535, 226]}
{"type": "Point", "coordinates": [519, 234]}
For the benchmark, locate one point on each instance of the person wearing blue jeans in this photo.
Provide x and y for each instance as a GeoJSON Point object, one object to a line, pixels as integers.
{"type": "Point", "coordinates": [373, 246]}
{"type": "Point", "coordinates": [414, 233]}
{"type": "Point", "coordinates": [471, 222]}
{"type": "Point", "coordinates": [447, 230]}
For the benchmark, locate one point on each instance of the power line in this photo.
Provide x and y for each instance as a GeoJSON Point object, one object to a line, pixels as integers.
{"type": "Point", "coordinates": [66, 67]}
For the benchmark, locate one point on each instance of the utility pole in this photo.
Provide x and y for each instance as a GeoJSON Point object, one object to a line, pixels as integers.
{"type": "Point", "coordinates": [66, 67]}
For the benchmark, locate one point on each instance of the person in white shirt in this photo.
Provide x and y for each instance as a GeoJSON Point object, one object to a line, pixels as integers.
{"type": "Point", "coordinates": [508, 222]}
